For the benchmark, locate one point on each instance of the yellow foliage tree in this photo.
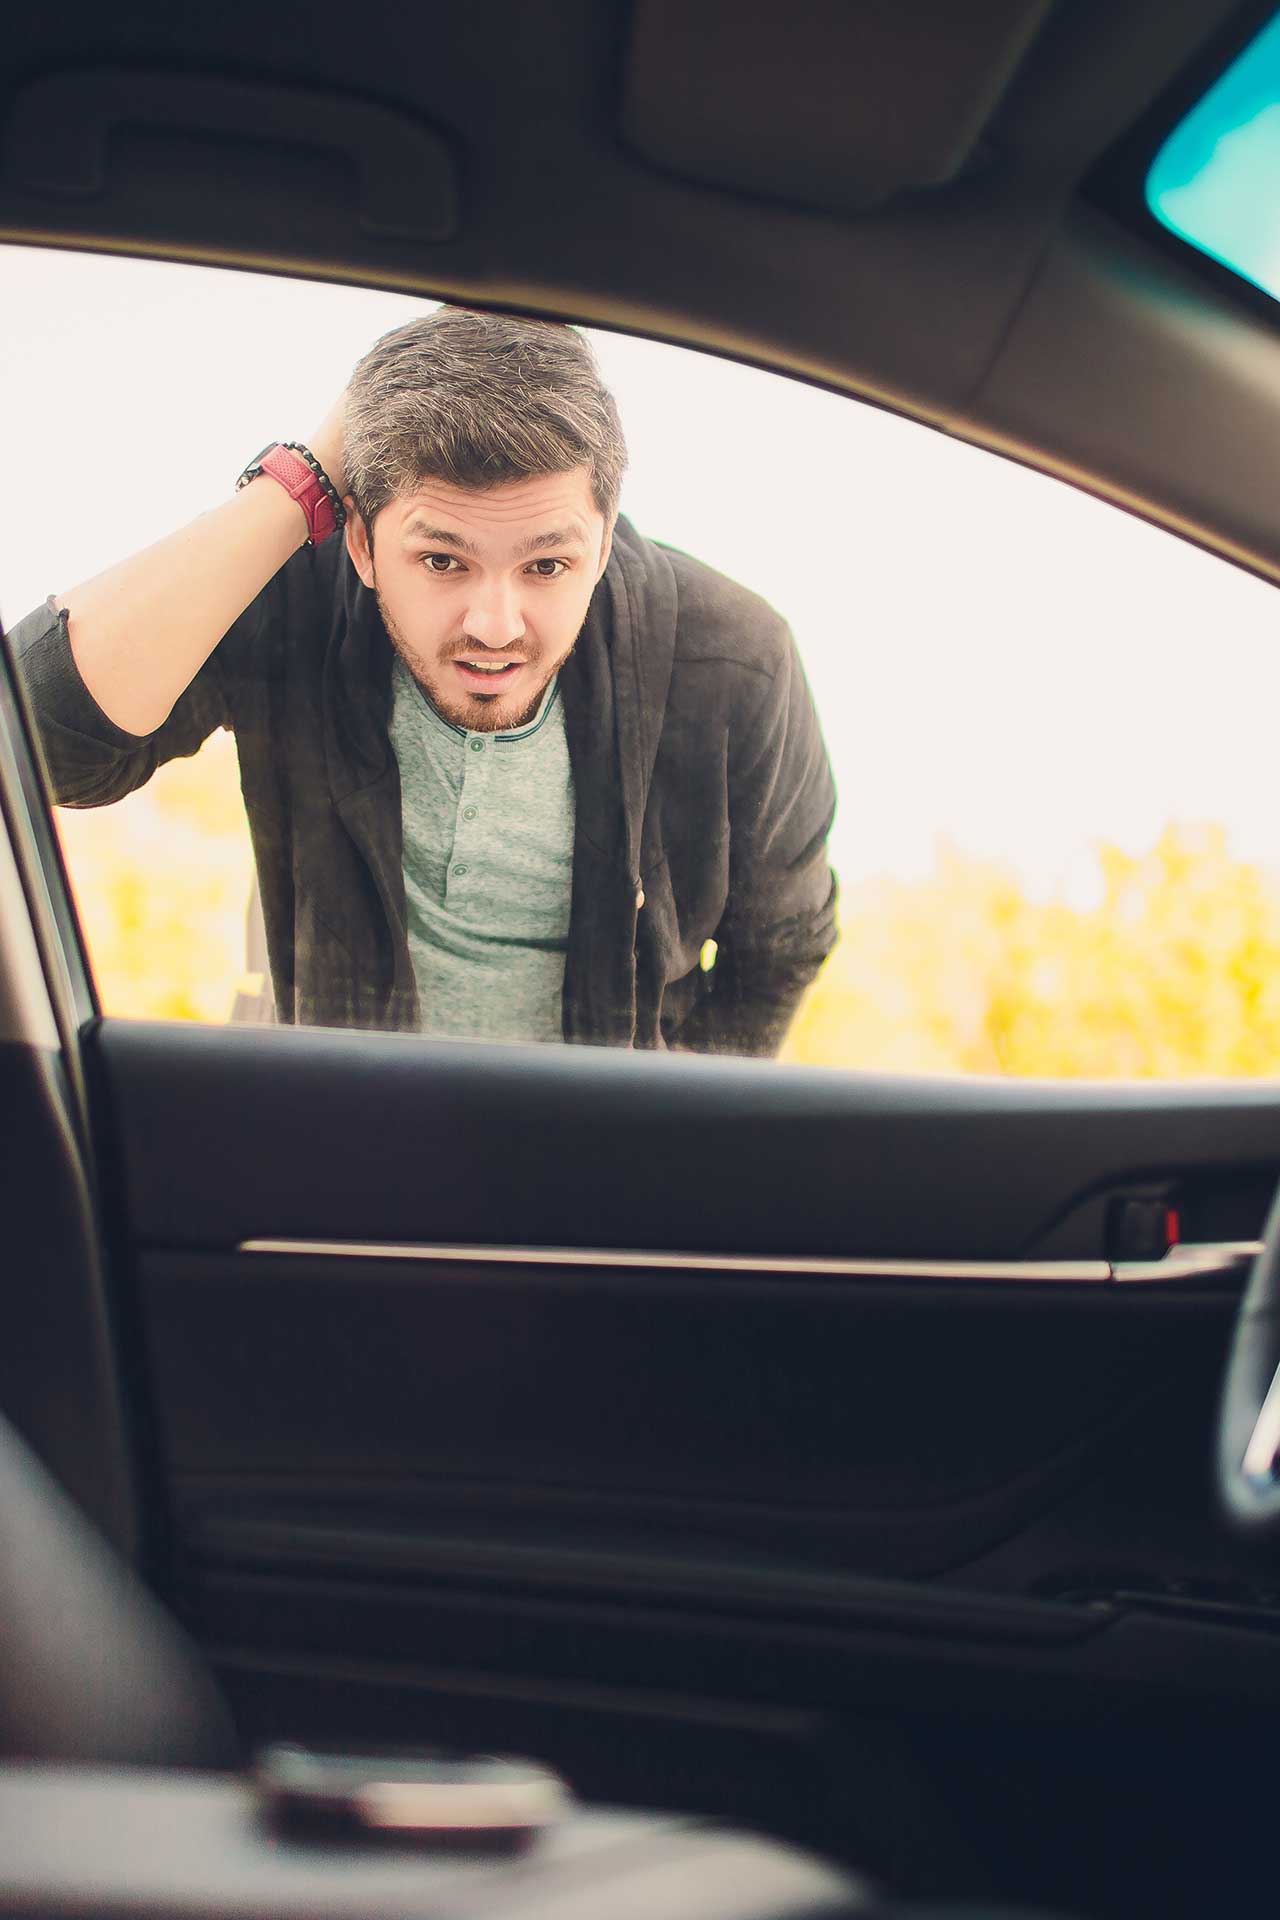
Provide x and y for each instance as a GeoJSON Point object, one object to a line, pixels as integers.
{"type": "Point", "coordinates": [1174, 973]}
{"type": "Point", "coordinates": [161, 884]}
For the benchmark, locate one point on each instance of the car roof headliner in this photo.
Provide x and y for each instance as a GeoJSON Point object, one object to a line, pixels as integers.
{"type": "Point", "coordinates": [879, 194]}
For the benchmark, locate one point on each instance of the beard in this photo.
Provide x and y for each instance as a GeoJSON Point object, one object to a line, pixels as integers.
{"type": "Point", "coordinates": [496, 712]}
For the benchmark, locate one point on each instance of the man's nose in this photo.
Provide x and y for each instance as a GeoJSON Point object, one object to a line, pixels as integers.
{"type": "Point", "coordinates": [494, 618]}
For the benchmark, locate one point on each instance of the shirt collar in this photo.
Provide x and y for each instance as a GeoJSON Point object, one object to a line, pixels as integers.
{"type": "Point", "coordinates": [504, 736]}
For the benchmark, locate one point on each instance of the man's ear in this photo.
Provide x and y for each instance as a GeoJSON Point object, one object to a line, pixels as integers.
{"type": "Point", "coordinates": [359, 545]}
{"type": "Point", "coordinates": [606, 548]}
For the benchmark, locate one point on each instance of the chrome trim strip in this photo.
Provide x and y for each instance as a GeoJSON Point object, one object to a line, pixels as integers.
{"type": "Point", "coordinates": [1074, 1272]}
{"type": "Point", "coordinates": [1193, 1260]}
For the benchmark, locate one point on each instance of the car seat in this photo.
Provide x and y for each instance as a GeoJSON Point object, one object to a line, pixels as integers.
{"type": "Point", "coordinates": [91, 1667]}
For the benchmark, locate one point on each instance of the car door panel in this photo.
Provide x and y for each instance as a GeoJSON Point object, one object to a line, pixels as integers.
{"type": "Point", "coordinates": [459, 1405]}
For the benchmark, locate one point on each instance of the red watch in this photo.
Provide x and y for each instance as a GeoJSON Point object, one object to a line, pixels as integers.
{"type": "Point", "coordinates": [296, 469]}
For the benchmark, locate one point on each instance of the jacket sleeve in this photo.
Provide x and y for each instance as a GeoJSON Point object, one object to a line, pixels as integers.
{"type": "Point", "coordinates": [91, 761]}
{"type": "Point", "coordinates": [779, 923]}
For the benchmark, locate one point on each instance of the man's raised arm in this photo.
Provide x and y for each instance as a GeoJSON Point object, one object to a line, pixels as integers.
{"type": "Point", "coordinates": [140, 632]}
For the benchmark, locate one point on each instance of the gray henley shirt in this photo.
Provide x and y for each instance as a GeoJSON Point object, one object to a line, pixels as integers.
{"type": "Point", "coordinates": [488, 866]}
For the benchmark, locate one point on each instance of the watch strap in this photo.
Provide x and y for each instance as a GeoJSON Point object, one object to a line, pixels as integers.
{"type": "Point", "coordinates": [296, 469]}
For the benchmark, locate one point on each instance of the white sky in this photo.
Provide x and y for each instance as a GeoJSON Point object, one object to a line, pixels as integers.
{"type": "Point", "coordinates": [997, 659]}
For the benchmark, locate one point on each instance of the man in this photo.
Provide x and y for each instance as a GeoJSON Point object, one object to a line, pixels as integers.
{"type": "Point", "coordinates": [508, 766]}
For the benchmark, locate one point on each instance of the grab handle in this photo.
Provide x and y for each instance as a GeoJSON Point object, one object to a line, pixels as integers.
{"type": "Point", "coordinates": [58, 139]}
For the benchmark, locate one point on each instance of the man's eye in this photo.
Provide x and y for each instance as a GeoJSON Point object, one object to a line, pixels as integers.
{"type": "Point", "coordinates": [549, 569]}
{"type": "Point", "coordinates": [439, 562]}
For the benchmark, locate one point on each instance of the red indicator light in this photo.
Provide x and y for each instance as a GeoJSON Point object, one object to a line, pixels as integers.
{"type": "Point", "coordinates": [1172, 1226]}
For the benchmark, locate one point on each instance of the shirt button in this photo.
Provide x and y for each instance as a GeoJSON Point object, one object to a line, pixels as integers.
{"type": "Point", "coordinates": [469, 813]}
{"type": "Point", "coordinates": [461, 871]}
{"type": "Point", "coordinates": [477, 746]}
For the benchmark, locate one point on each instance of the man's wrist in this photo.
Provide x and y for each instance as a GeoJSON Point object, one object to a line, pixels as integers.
{"type": "Point", "coordinates": [337, 512]}
{"type": "Point", "coordinates": [294, 468]}
{"type": "Point", "coordinates": [274, 516]}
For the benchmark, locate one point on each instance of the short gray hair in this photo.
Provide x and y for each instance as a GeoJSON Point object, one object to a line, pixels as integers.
{"type": "Point", "coordinates": [476, 399]}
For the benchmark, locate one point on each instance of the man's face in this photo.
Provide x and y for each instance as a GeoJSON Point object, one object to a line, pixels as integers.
{"type": "Point", "coordinates": [484, 592]}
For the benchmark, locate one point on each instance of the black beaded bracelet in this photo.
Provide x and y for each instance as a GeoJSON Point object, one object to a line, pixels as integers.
{"type": "Point", "coordinates": [305, 453]}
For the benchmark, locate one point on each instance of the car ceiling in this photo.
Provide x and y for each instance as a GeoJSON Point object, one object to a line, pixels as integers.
{"type": "Point", "coordinates": [879, 194]}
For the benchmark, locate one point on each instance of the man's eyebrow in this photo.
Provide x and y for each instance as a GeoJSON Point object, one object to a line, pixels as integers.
{"type": "Point", "coordinates": [417, 529]}
{"type": "Point", "coordinates": [574, 535]}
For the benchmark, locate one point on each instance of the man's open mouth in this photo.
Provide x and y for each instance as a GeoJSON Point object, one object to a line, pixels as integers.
{"type": "Point", "coordinates": [492, 670]}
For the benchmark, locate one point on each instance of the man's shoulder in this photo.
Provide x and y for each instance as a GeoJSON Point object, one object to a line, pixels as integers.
{"type": "Point", "coordinates": [717, 618]}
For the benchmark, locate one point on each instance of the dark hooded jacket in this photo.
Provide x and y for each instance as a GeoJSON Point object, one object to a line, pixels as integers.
{"type": "Point", "coordinates": [704, 798]}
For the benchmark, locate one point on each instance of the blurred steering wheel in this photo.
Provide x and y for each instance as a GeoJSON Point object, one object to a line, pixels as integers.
{"type": "Point", "coordinates": [1249, 1424]}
